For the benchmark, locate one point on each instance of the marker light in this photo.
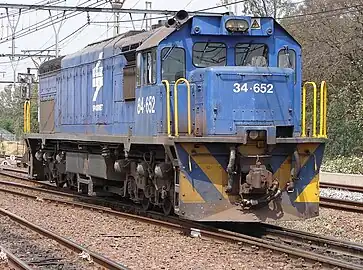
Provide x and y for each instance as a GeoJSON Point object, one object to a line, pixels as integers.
{"type": "Point", "coordinates": [235, 25]}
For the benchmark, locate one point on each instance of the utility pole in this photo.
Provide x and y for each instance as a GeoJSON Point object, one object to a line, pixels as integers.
{"type": "Point", "coordinates": [116, 4]}
{"type": "Point", "coordinates": [231, 7]}
{"type": "Point", "coordinates": [13, 25]}
{"type": "Point", "coordinates": [148, 16]}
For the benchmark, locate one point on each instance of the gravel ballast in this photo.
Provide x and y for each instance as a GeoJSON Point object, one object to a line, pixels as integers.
{"type": "Point", "coordinates": [143, 246]}
{"type": "Point", "coordinates": [341, 194]}
{"type": "Point", "coordinates": [330, 222]}
{"type": "Point", "coordinates": [36, 250]}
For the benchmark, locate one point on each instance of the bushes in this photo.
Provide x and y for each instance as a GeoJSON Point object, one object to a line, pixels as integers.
{"type": "Point", "coordinates": [341, 164]}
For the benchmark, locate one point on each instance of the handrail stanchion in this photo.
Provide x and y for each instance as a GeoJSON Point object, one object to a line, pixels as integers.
{"type": "Point", "coordinates": [323, 109]}
{"type": "Point", "coordinates": [321, 121]}
{"type": "Point", "coordinates": [325, 135]}
{"type": "Point", "coordinates": [303, 121]}
{"type": "Point", "coordinates": [26, 116]}
{"type": "Point", "coordinates": [176, 116]}
{"type": "Point", "coordinates": [168, 112]}
{"type": "Point", "coordinates": [303, 132]}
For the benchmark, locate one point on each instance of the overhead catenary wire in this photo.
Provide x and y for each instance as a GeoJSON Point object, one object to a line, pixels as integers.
{"type": "Point", "coordinates": [323, 12]}
{"type": "Point", "coordinates": [204, 9]}
{"type": "Point", "coordinates": [99, 3]}
{"type": "Point", "coordinates": [48, 22]}
{"type": "Point", "coordinates": [2, 16]}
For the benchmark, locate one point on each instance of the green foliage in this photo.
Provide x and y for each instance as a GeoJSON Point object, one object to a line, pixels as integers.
{"type": "Point", "coordinates": [341, 164]}
{"type": "Point", "coordinates": [11, 110]}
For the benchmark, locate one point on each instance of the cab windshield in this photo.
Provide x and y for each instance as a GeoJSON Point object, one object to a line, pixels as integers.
{"type": "Point", "coordinates": [248, 54]}
{"type": "Point", "coordinates": [206, 54]}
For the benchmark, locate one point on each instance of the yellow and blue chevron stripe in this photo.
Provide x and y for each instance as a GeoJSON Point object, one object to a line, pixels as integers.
{"type": "Point", "coordinates": [203, 175]}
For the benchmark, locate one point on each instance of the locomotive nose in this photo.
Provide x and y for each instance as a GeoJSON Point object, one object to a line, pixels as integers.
{"type": "Point", "coordinates": [247, 100]}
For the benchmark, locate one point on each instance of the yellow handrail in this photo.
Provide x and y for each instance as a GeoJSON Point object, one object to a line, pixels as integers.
{"type": "Point", "coordinates": [323, 109]}
{"type": "Point", "coordinates": [167, 86]}
{"type": "Point", "coordinates": [303, 125]}
{"type": "Point", "coordinates": [176, 116]}
{"type": "Point", "coordinates": [26, 116]}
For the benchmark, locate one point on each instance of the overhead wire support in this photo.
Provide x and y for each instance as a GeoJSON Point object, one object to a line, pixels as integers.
{"type": "Point", "coordinates": [116, 4]}
{"type": "Point", "coordinates": [56, 31]}
{"type": "Point", "coordinates": [38, 57]}
{"type": "Point", "coordinates": [13, 25]}
{"type": "Point", "coordinates": [98, 10]}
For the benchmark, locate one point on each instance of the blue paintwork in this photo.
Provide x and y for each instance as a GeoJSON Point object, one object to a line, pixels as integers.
{"type": "Point", "coordinates": [223, 111]}
{"type": "Point", "coordinates": [215, 26]}
{"type": "Point", "coordinates": [230, 113]}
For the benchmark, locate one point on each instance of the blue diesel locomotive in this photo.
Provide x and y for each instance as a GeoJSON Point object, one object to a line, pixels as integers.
{"type": "Point", "coordinates": [202, 116]}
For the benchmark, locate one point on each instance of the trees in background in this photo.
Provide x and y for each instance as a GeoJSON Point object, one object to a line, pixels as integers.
{"type": "Point", "coordinates": [11, 110]}
{"type": "Point", "coordinates": [331, 35]}
{"type": "Point", "coordinates": [268, 8]}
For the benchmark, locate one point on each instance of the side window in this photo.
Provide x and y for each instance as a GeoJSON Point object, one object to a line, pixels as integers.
{"type": "Point", "coordinates": [287, 59]}
{"type": "Point", "coordinates": [255, 55]}
{"type": "Point", "coordinates": [148, 69]}
{"type": "Point", "coordinates": [130, 71]}
{"type": "Point", "coordinates": [138, 69]}
{"type": "Point", "coordinates": [207, 54]}
{"type": "Point", "coordinates": [172, 64]}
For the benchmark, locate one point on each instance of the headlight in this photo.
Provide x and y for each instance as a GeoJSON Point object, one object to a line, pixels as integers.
{"type": "Point", "coordinates": [234, 25]}
{"type": "Point", "coordinates": [253, 134]}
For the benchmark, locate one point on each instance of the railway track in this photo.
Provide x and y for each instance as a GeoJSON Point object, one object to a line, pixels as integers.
{"type": "Point", "coordinates": [341, 204]}
{"type": "Point", "coordinates": [346, 205]}
{"type": "Point", "coordinates": [341, 186]}
{"type": "Point", "coordinates": [324, 201]}
{"type": "Point", "coordinates": [9, 259]}
{"type": "Point", "coordinates": [314, 248]}
{"type": "Point", "coordinates": [97, 258]}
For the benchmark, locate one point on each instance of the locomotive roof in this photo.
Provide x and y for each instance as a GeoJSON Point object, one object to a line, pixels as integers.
{"type": "Point", "coordinates": [131, 40]}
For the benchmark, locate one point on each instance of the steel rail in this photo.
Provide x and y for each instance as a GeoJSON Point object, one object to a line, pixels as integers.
{"type": "Point", "coordinates": [312, 241]}
{"type": "Point", "coordinates": [14, 261]}
{"type": "Point", "coordinates": [48, 190]}
{"type": "Point", "coordinates": [97, 258]}
{"type": "Point", "coordinates": [346, 205]}
{"type": "Point", "coordinates": [341, 186]}
{"type": "Point", "coordinates": [209, 232]}
{"type": "Point", "coordinates": [12, 172]}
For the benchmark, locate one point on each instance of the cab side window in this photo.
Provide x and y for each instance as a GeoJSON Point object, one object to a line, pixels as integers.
{"type": "Point", "coordinates": [287, 59]}
{"type": "Point", "coordinates": [146, 68]}
{"type": "Point", "coordinates": [172, 64]}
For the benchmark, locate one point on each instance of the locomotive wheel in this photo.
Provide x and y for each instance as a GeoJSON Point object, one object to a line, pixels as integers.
{"type": "Point", "coordinates": [71, 180]}
{"type": "Point", "coordinates": [167, 206]}
{"type": "Point", "coordinates": [146, 204]}
{"type": "Point", "coordinates": [60, 180]}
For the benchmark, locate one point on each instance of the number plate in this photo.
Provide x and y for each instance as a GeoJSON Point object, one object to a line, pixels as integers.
{"type": "Point", "coordinates": [258, 88]}
{"type": "Point", "coordinates": [146, 105]}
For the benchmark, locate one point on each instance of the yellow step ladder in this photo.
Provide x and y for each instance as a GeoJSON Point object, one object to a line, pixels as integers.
{"type": "Point", "coordinates": [323, 109]}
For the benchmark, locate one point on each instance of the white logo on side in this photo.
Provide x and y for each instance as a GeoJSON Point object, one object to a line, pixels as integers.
{"type": "Point", "coordinates": [97, 81]}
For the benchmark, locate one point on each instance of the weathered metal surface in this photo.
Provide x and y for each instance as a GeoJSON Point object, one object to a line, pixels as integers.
{"type": "Point", "coordinates": [203, 181]}
{"type": "Point", "coordinates": [154, 40]}
{"type": "Point", "coordinates": [46, 123]}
